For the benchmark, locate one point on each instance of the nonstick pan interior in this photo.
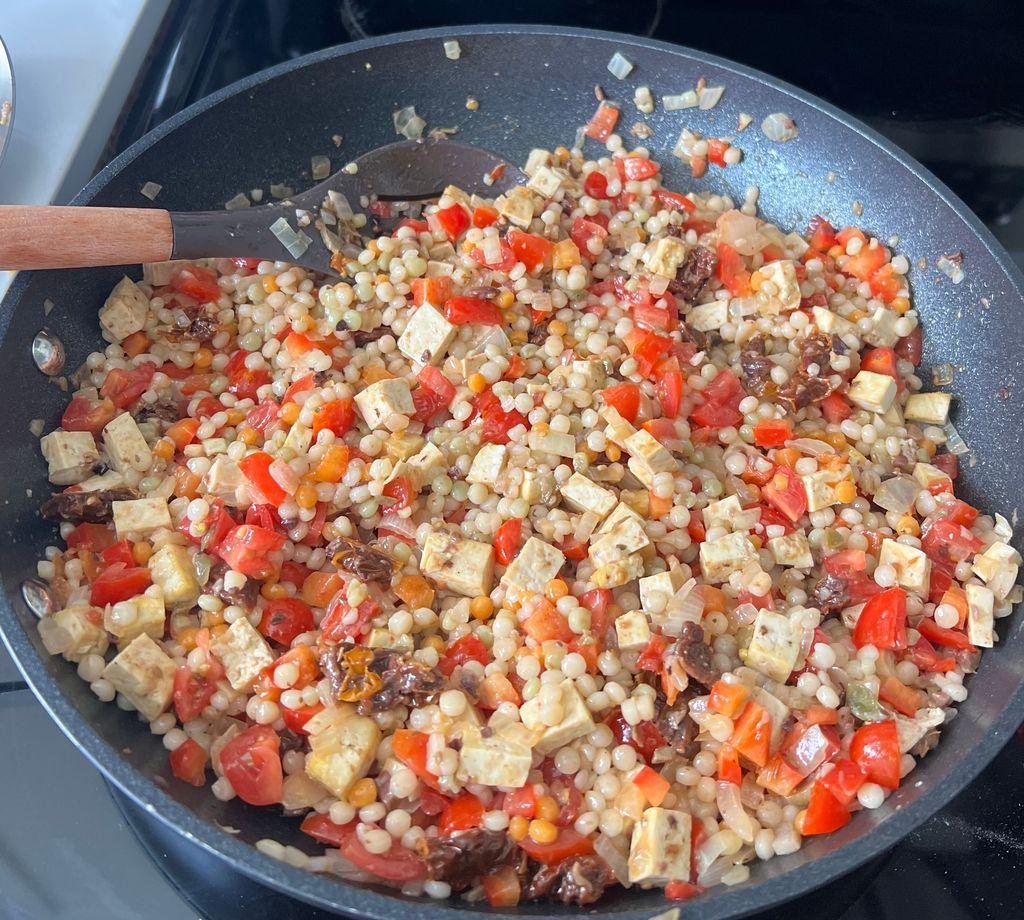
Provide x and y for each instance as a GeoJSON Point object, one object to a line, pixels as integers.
{"type": "Point", "coordinates": [535, 86]}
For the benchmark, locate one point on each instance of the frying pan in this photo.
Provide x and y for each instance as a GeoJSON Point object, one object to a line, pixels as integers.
{"type": "Point", "coordinates": [535, 86]}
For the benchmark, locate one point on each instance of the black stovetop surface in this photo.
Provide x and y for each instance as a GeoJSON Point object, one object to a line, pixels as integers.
{"type": "Point", "coordinates": [941, 79]}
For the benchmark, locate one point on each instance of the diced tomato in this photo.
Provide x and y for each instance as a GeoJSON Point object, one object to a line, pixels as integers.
{"type": "Point", "coordinates": [836, 408]}
{"type": "Point", "coordinates": [644, 737]}
{"type": "Point", "coordinates": [417, 226]}
{"type": "Point", "coordinates": [125, 387]}
{"type": "Point", "coordinates": [696, 529]}
{"type": "Point", "coordinates": [198, 283]}
{"type": "Point", "coordinates": [947, 543]}
{"type": "Point", "coordinates": [256, 468]}
{"type": "Point", "coordinates": [948, 463]}
{"type": "Point", "coordinates": [808, 745]}
{"type": "Point", "coordinates": [301, 385]}
{"type": "Point", "coordinates": [653, 654]}
{"type": "Point", "coordinates": [497, 423]}
{"type": "Point", "coordinates": [647, 347]}
{"type": "Point", "coordinates": [653, 785]}
{"type": "Point", "coordinates": [433, 379]}
{"type": "Point", "coordinates": [863, 265]}
{"type": "Point", "coordinates": [603, 122]}
{"type": "Point", "coordinates": [247, 547]}
{"type": "Point", "coordinates": [92, 537]}
{"type": "Point", "coordinates": [635, 169]}
{"type": "Point", "coordinates": [400, 490]}
{"type": "Point", "coordinates": [679, 890]}
{"type": "Point", "coordinates": [727, 699]}
{"type": "Point", "coordinates": [721, 402]}
{"type": "Point", "coordinates": [296, 719]}
{"type": "Point", "coordinates": [669, 385]}
{"type": "Point", "coordinates": [773, 432]}
{"type": "Point", "coordinates": [583, 231]}
{"type": "Point", "coordinates": [843, 780]}
{"type": "Point", "coordinates": [397, 864]}
{"type": "Point", "coordinates": [193, 690]}
{"type": "Point", "coordinates": [730, 271]}
{"type": "Point", "coordinates": [673, 200]}
{"type": "Point", "coordinates": [263, 515]}
{"type": "Point", "coordinates": [507, 540]}
{"type": "Point", "coordinates": [522, 802]}
{"type": "Point", "coordinates": [284, 619]}
{"type": "Point", "coordinates": [188, 762]}
{"type": "Point", "coordinates": [821, 234]}
{"type": "Point", "coordinates": [468, 648]}
{"type": "Point", "coordinates": [119, 582]}
{"type": "Point", "coordinates": [411, 748]}
{"type": "Point", "coordinates": [751, 734]}
{"type": "Point", "coordinates": [245, 383]}
{"type": "Point", "coordinates": [90, 415]}
{"type": "Point", "coordinates": [596, 184]}
{"type": "Point", "coordinates": [532, 250]}
{"type": "Point", "coordinates": [434, 291]}
{"type": "Point", "coordinates": [338, 416]}
{"type": "Point", "coordinates": [729, 766]}
{"type": "Point", "coordinates": [950, 638]}
{"type": "Point", "coordinates": [263, 416]}
{"type": "Point", "coordinates": [119, 552]}
{"type": "Point", "coordinates": [880, 361]}
{"type": "Point", "coordinates": [825, 813]}
{"type": "Point", "coordinates": [778, 776]}
{"type": "Point", "coordinates": [506, 262]}
{"type": "Point", "coordinates": [546, 623]}
{"type": "Point", "coordinates": [716, 151]}
{"type": "Point", "coordinates": [298, 344]}
{"type": "Point", "coordinates": [484, 215]}
{"type": "Point", "coordinates": [568, 843]}
{"type": "Point", "coordinates": [341, 622]}
{"type": "Point", "coordinates": [322, 828]}
{"type": "Point", "coordinates": [246, 266]}
{"type": "Point", "coordinates": [924, 655]}
{"type": "Point", "coordinates": [883, 621]}
{"type": "Point", "coordinates": [501, 887]}
{"type": "Point", "coordinates": [785, 492]}
{"type": "Point", "coordinates": [453, 220]}
{"type": "Point", "coordinates": [625, 399]}
{"type": "Point", "coordinates": [885, 284]}
{"type": "Point", "coordinates": [462, 310]}
{"type": "Point", "coordinates": [875, 748]}
{"type": "Point", "coordinates": [462, 813]}
{"type": "Point", "coordinates": [573, 549]}
{"type": "Point", "coordinates": [251, 761]}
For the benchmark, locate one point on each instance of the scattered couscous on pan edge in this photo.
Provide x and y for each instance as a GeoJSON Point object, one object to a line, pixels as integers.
{"type": "Point", "coordinates": [599, 534]}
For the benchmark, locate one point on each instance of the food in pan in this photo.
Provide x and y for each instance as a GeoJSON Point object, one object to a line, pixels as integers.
{"type": "Point", "coordinates": [599, 534]}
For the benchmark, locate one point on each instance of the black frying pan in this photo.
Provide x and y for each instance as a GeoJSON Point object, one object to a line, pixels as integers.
{"type": "Point", "coordinates": [535, 86]}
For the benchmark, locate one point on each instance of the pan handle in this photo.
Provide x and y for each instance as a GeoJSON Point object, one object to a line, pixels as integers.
{"type": "Point", "coordinates": [55, 237]}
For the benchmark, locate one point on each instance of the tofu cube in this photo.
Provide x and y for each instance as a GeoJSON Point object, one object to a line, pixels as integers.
{"type": "Point", "coordinates": [927, 475]}
{"type": "Point", "coordinates": [225, 480]}
{"type": "Point", "coordinates": [463, 567]}
{"type": "Point", "coordinates": [775, 708]}
{"type": "Point", "coordinates": [342, 751]}
{"type": "Point", "coordinates": [111, 479]}
{"type": "Point", "coordinates": [722, 513]}
{"type": "Point", "coordinates": [883, 328]}
{"type": "Point", "coordinates": [403, 446]}
{"type": "Point", "coordinates": [778, 290]}
{"type": "Point", "coordinates": [708, 317]}
{"type": "Point", "coordinates": [125, 310]}
{"type": "Point", "coordinates": [172, 569]}
{"type": "Point", "coordinates": [582, 494]}
{"type": "Point", "coordinates": [70, 455]}
{"type": "Point", "coordinates": [618, 573]}
{"type": "Point", "coordinates": [928, 408]}
{"type": "Point", "coordinates": [980, 604]}
{"type": "Point", "coordinates": [997, 567]}
{"type": "Point", "coordinates": [546, 181]}
{"type": "Point", "coordinates": [643, 446]}
{"type": "Point", "coordinates": [85, 635]}
{"type": "Point", "coordinates": [911, 731]}
{"type": "Point", "coordinates": [871, 391]}
{"type": "Point", "coordinates": [539, 488]}
{"type": "Point", "coordinates": [821, 487]}
{"type": "Point", "coordinates": [143, 614]}
{"type": "Point", "coordinates": [516, 207]}
{"type": "Point", "coordinates": [536, 159]}
{"type": "Point", "coordinates": [659, 850]}
{"type": "Point", "coordinates": [144, 675]}
{"type": "Point", "coordinates": [380, 400]}
{"type": "Point", "coordinates": [720, 558]}
{"type": "Point", "coordinates": [243, 652]}
{"type": "Point", "coordinates": [626, 538]}
{"type": "Point", "coordinates": [657, 590]}
{"type": "Point", "coordinates": [666, 257]}
{"type": "Point", "coordinates": [913, 567]}
{"type": "Point", "coordinates": [641, 471]}
{"type": "Point", "coordinates": [617, 429]}
{"type": "Point", "coordinates": [832, 323]}
{"type": "Point", "coordinates": [639, 500]}
{"type": "Point", "coordinates": [547, 441]}
{"type": "Point", "coordinates": [487, 464]}
{"type": "Point", "coordinates": [774, 647]}
{"type": "Point", "coordinates": [621, 512]}
{"type": "Point", "coordinates": [140, 516]}
{"type": "Point", "coordinates": [632, 630]}
{"type": "Point", "coordinates": [537, 563]}
{"type": "Point", "coordinates": [125, 446]}
{"type": "Point", "coordinates": [494, 760]}
{"type": "Point", "coordinates": [425, 465]}
{"type": "Point", "coordinates": [575, 723]}
{"type": "Point", "coordinates": [792, 550]}
{"type": "Point", "coordinates": [427, 336]}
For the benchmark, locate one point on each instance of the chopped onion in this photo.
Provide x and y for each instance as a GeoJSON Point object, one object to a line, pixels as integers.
{"type": "Point", "coordinates": [897, 494]}
{"type": "Point", "coordinates": [284, 476]}
{"type": "Point", "coordinates": [408, 123]}
{"type": "Point", "coordinates": [606, 848]}
{"type": "Point", "coordinates": [712, 848]}
{"type": "Point", "coordinates": [320, 167]}
{"type": "Point", "coordinates": [300, 792]}
{"type": "Point", "coordinates": [619, 66]}
{"type": "Point", "coordinates": [281, 191]}
{"type": "Point", "coordinates": [733, 813]}
{"type": "Point", "coordinates": [414, 129]}
{"type": "Point", "coordinates": [151, 190]}
{"type": "Point", "coordinates": [684, 146]}
{"type": "Point", "coordinates": [659, 284]}
{"type": "Point", "coordinates": [1002, 529]}
{"type": "Point", "coordinates": [159, 273]}
{"type": "Point", "coordinates": [240, 201]}
{"type": "Point", "coordinates": [687, 100]}
{"type": "Point", "coordinates": [943, 375]}
{"type": "Point", "coordinates": [393, 523]}
{"type": "Point", "coordinates": [643, 99]}
{"type": "Point", "coordinates": [339, 204]}
{"type": "Point", "coordinates": [743, 122]}
{"type": "Point", "coordinates": [685, 606]}
{"type": "Point", "coordinates": [709, 96]}
{"type": "Point", "coordinates": [452, 50]}
{"type": "Point", "coordinates": [48, 306]}
{"type": "Point", "coordinates": [954, 442]}
{"type": "Point", "coordinates": [295, 243]}
{"type": "Point", "coordinates": [779, 127]}
{"type": "Point", "coordinates": [952, 266]}
{"type": "Point", "coordinates": [811, 446]}
{"type": "Point", "coordinates": [580, 137]}
{"type": "Point", "coordinates": [740, 231]}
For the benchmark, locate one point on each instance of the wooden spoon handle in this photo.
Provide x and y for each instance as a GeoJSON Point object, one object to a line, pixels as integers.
{"type": "Point", "coordinates": [54, 237]}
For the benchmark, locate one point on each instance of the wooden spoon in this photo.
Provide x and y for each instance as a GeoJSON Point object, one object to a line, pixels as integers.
{"type": "Point", "coordinates": [77, 237]}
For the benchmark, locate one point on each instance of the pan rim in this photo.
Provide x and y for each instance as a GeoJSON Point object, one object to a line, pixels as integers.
{"type": "Point", "coordinates": [364, 901]}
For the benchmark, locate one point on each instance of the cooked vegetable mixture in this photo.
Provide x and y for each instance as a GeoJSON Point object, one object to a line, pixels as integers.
{"type": "Point", "coordinates": [599, 534]}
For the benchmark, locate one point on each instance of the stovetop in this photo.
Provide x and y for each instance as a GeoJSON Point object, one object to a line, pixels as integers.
{"type": "Point", "coordinates": [940, 82]}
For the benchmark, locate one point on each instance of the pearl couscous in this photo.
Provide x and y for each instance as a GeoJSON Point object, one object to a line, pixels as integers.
{"type": "Point", "coordinates": [596, 534]}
